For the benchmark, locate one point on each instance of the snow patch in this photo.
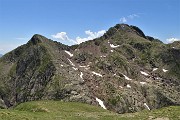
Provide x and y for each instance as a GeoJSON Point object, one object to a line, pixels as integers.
{"type": "Point", "coordinates": [112, 50]}
{"type": "Point", "coordinates": [121, 87]}
{"type": "Point", "coordinates": [96, 74]}
{"type": "Point", "coordinates": [158, 78]}
{"type": "Point", "coordinates": [154, 69]}
{"type": "Point", "coordinates": [144, 73]}
{"type": "Point", "coordinates": [103, 56]}
{"type": "Point", "coordinates": [84, 66]}
{"type": "Point", "coordinates": [126, 77]}
{"type": "Point", "coordinates": [81, 75]}
{"type": "Point", "coordinates": [147, 106]}
{"type": "Point", "coordinates": [164, 70]}
{"type": "Point", "coordinates": [100, 103]}
{"type": "Point", "coordinates": [62, 65]}
{"type": "Point", "coordinates": [69, 53]}
{"type": "Point", "coordinates": [143, 83]}
{"type": "Point", "coordinates": [87, 68]}
{"type": "Point", "coordinates": [75, 68]}
{"type": "Point", "coordinates": [128, 86]}
{"type": "Point", "coordinates": [114, 46]}
{"type": "Point", "coordinates": [71, 62]}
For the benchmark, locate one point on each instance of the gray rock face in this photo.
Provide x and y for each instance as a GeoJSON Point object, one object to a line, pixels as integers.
{"type": "Point", "coordinates": [125, 69]}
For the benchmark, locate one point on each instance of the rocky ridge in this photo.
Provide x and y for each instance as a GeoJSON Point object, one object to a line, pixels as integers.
{"type": "Point", "coordinates": [122, 71]}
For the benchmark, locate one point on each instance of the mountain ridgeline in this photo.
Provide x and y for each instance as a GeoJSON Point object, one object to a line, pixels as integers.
{"type": "Point", "coordinates": [123, 71]}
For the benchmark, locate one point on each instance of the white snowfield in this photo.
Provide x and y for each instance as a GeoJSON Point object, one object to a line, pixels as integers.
{"type": "Point", "coordinates": [71, 62]}
{"type": "Point", "coordinates": [81, 75]}
{"type": "Point", "coordinates": [127, 78]}
{"type": "Point", "coordinates": [164, 70]}
{"type": "Point", "coordinates": [96, 74]}
{"type": "Point", "coordinates": [112, 50]}
{"type": "Point", "coordinates": [147, 106]}
{"type": "Point", "coordinates": [128, 86]}
{"type": "Point", "coordinates": [62, 65]}
{"type": "Point", "coordinates": [144, 73]}
{"type": "Point", "coordinates": [143, 83]}
{"type": "Point", "coordinates": [154, 69]}
{"type": "Point", "coordinates": [68, 53]}
{"type": "Point", "coordinates": [100, 103]}
{"type": "Point", "coordinates": [114, 46]}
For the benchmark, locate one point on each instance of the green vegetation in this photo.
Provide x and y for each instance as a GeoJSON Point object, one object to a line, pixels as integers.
{"type": "Point", "coordinates": [103, 49]}
{"type": "Point", "coordinates": [57, 110]}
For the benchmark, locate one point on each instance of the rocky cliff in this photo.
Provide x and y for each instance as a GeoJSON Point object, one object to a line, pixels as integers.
{"type": "Point", "coordinates": [122, 71]}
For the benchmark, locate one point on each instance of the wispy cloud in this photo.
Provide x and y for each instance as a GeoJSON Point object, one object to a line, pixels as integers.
{"type": "Point", "coordinates": [132, 16]}
{"type": "Point", "coordinates": [123, 20]}
{"type": "Point", "coordinates": [170, 40]}
{"type": "Point", "coordinates": [4, 48]}
{"type": "Point", "coordinates": [129, 17]}
{"type": "Point", "coordinates": [90, 35]}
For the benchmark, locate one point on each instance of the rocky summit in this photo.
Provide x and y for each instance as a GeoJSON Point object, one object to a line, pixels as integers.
{"type": "Point", "coordinates": [123, 71]}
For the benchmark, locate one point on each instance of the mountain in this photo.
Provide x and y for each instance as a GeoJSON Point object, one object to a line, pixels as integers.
{"type": "Point", "coordinates": [1, 55]}
{"type": "Point", "coordinates": [123, 71]}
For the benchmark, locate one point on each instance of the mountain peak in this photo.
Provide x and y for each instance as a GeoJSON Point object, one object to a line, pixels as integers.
{"type": "Point", "coordinates": [125, 28]}
{"type": "Point", "coordinates": [37, 39]}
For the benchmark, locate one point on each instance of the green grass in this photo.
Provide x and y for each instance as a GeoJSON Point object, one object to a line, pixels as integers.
{"type": "Point", "coordinates": [57, 110]}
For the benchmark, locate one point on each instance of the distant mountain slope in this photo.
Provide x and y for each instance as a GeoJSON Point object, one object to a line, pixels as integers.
{"type": "Point", "coordinates": [1, 55]}
{"type": "Point", "coordinates": [122, 71]}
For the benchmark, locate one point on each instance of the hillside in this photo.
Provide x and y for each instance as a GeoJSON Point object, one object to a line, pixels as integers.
{"type": "Point", "coordinates": [122, 71]}
{"type": "Point", "coordinates": [56, 110]}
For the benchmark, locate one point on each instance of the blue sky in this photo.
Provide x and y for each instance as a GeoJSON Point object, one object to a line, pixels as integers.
{"type": "Point", "coordinates": [74, 21]}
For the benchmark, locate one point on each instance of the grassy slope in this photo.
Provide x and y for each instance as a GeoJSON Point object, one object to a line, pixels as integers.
{"type": "Point", "coordinates": [56, 110]}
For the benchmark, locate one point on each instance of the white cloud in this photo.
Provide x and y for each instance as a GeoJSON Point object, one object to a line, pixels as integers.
{"type": "Point", "coordinates": [78, 40]}
{"type": "Point", "coordinates": [129, 17]}
{"type": "Point", "coordinates": [123, 20]}
{"type": "Point", "coordinates": [170, 40]}
{"type": "Point", "coordinates": [61, 36]}
{"type": "Point", "coordinates": [132, 16]}
{"type": "Point", "coordinates": [91, 35]}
